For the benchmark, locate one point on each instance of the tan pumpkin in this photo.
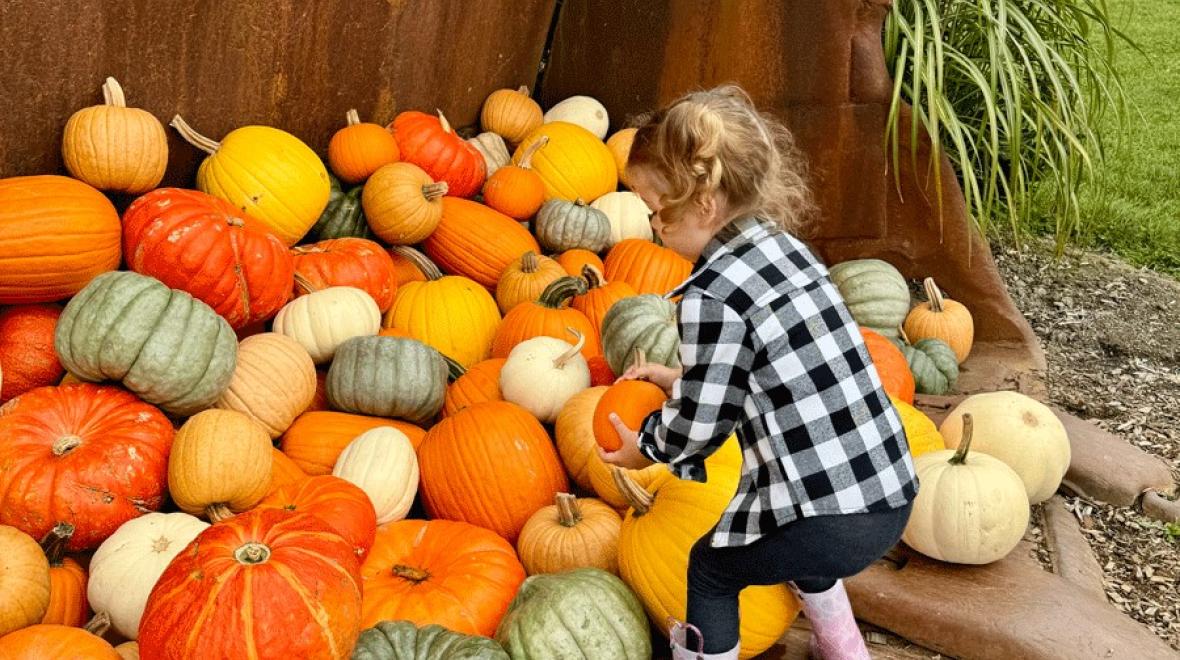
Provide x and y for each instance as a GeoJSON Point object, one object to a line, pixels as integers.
{"type": "Point", "coordinates": [403, 203]}
{"type": "Point", "coordinates": [620, 147]}
{"type": "Point", "coordinates": [24, 580]}
{"type": "Point", "coordinates": [220, 464]}
{"type": "Point", "coordinates": [323, 320]}
{"type": "Point", "coordinates": [574, 435]}
{"type": "Point", "coordinates": [113, 147]}
{"type": "Point", "coordinates": [542, 373]}
{"type": "Point", "coordinates": [571, 533]}
{"type": "Point", "coordinates": [941, 318]}
{"type": "Point", "coordinates": [512, 113]}
{"type": "Point", "coordinates": [525, 279]}
{"type": "Point", "coordinates": [382, 463]}
{"type": "Point", "coordinates": [273, 383]}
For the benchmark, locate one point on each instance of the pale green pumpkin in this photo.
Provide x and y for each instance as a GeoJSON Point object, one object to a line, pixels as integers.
{"type": "Point", "coordinates": [645, 323]}
{"type": "Point", "coordinates": [934, 365]}
{"type": "Point", "coordinates": [875, 292]}
{"type": "Point", "coordinates": [402, 640]}
{"type": "Point", "coordinates": [387, 377]}
{"type": "Point", "coordinates": [167, 347]}
{"type": "Point", "coordinates": [562, 225]}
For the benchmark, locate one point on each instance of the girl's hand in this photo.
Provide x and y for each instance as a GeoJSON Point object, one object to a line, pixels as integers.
{"type": "Point", "coordinates": [657, 374]}
{"type": "Point", "coordinates": [628, 455]}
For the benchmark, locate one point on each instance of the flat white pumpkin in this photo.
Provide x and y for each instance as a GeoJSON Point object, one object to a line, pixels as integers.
{"type": "Point", "coordinates": [324, 319]}
{"type": "Point", "coordinates": [273, 383]}
{"type": "Point", "coordinates": [584, 111]}
{"type": "Point", "coordinates": [382, 463]}
{"type": "Point", "coordinates": [129, 563]}
{"type": "Point", "coordinates": [541, 374]}
{"type": "Point", "coordinates": [628, 214]}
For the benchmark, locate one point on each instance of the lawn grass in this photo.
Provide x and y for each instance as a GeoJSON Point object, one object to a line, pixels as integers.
{"type": "Point", "coordinates": [1133, 207]}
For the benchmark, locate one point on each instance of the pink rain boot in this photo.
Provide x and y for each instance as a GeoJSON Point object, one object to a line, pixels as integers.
{"type": "Point", "coordinates": [678, 634]}
{"type": "Point", "coordinates": [834, 635]}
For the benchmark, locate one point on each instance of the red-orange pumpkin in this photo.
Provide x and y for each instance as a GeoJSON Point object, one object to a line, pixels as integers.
{"type": "Point", "coordinates": [315, 439]}
{"type": "Point", "coordinates": [345, 507]}
{"type": "Point", "coordinates": [355, 262]}
{"type": "Point", "coordinates": [491, 465]}
{"type": "Point", "coordinates": [204, 245]}
{"type": "Point", "coordinates": [430, 143]}
{"type": "Point", "coordinates": [891, 366]}
{"type": "Point", "coordinates": [597, 301]}
{"type": "Point", "coordinates": [647, 267]}
{"type": "Point", "coordinates": [548, 316]}
{"type": "Point", "coordinates": [67, 580]}
{"type": "Point", "coordinates": [264, 584]}
{"type": "Point", "coordinates": [478, 384]}
{"type": "Point", "coordinates": [632, 401]}
{"type": "Point", "coordinates": [477, 242]}
{"type": "Point", "coordinates": [600, 371]}
{"type": "Point", "coordinates": [27, 358]}
{"type": "Point", "coordinates": [91, 455]}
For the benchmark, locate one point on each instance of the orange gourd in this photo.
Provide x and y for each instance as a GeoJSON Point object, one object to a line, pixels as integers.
{"type": "Point", "coordinates": [632, 401]}
{"type": "Point", "coordinates": [525, 279]}
{"type": "Point", "coordinates": [647, 267]}
{"type": "Point", "coordinates": [27, 358]}
{"type": "Point", "coordinates": [359, 149]}
{"type": "Point", "coordinates": [891, 366]}
{"type": "Point", "coordinates": [550, 317]}
{"type": "Point", "coordinates": [314, 441]}
{"type": "Point", "coordinates": [516, 190]}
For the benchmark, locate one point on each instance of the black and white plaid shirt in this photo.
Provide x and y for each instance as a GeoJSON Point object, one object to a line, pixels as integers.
{"type": "Point", "coordinates": [769, 347]}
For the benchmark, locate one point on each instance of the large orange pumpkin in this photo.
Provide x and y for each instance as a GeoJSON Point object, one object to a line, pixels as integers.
{"type": "Point", "coordinates": [263, 584]}
{"type": "Point", "coordinates": [345, 507]}
{"type": "Point", "coordinates": [647, 267]}
{"type": "Point", "coordinates": [452, 574]}
{"type": "Point", "coordinates": [476, 241]}
{"type": "Point", "coordinates": [56, 234]}
{"type": "Point", "coordinates": [430, 143]}
{"type": "Point", "coordinates": [891, 366]}
{"type": "Point", "coordinates": [67, 580]}
{"type": "Point", "coordinates": [573, 163]}
{"type": "Point", "coordinates": [314, 441]}
{"type": "Point", "coordinates": [27, 358]}
{"type": "Point", "coordinates": [491, 465]}
{"type": "Point", "coordinates": [355, 262]}
{"type": "Point", "coordinates": [478, 384]}
{"type": "Point", "coordinates": [548, 316]}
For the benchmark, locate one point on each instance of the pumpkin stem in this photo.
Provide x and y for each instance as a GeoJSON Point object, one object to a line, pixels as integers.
{"type": "Point", "coordinates": [454, 369]}
{"type": "Point", "coordinates": [194, 138]}
{"type": "Point", "coordinates": [420, 261]}
{"type": "Point", "coordinates": [218, 512]}
{"type": "Point", "coordinates": [524, 89]}
{"type": "Point", "coordinates": [639, 499]}
{"type": "Point", "coordinates": [99, 625]}
{"type": "Point", "coordinates": [302, 282]}
{"type": "Point", "coordinates": [592, 276]}
{"type": "Point", "coordinates": [559, 292]}
{"type": "Point", "coordinates": [252, 553]}
{"type": "Point", "coordinates": [960, 456]}
{"type": "Point", "coordinates": [54, 542]}
{"type": "Point", "coordinates": [638, 358]}
{"type": "Point", "coordinates": [65, 444]}
{"type": "Point", "coordinates": [933, 294]}
{"type": "Point", "coordinates": [526, 159]}
{"type": "Point", "coordinates": [436, 190]}
{"type": "Point", "coordinates": [569, 513]}
{"type": "Point", "coordinates": [352, 117]}
{"type": "Point", "coordinates": [112, 93]}
{"type": "Point", "coordinates": [415, 575]}
{"type": "Point", "coordinates": [578, 201]}
{"type": "Point", "coordinates": [904, 338]}
{"type": "Point", "coordinates": [528, 263]}
{"type": "Point", "coordinates": [573, 351]}
{"type": "Point", "coordinates": [442, 119]}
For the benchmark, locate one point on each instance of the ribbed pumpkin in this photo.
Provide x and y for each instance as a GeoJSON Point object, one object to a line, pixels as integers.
{"type": "Point", "coordinates": [283, 471]}
{"type": "Point", "coordinates": [27, 359]}
{"type": "Point", "coordinates": [56, 234]}
{"type": "Point", "coordinates": [355, 262]}
{"type": "Point", "coordinates": [512, 113]}
{"type": "Point", "coordinates": [405, 264]}
{"type": "Point", "coordinates": [274, 381]}
{"type": "Point", "coordinates": [658, 532]}
{"type": "Point", "coordinates": [647, 267]}
{"type": "Point", "coordinates": [574, 435]}
{"type": "Point", "coordinates": [933, 363]}
{"type": "Point", "coordinates": [388, 377]}
{"type": "Point", "coordinates": [58, 641]}
{"type": "Point", "coordinates": [454, 314]}
{"type": "Point", "coordinates": [113, 147]}
{"type": "Point", "coordinates": [403, 203]}
{"type": "Point", "coordinates": [491, 465]}
{"type": "Point", "coordinates": [67, 580]}
{"type": "Point", "coordinates": [600, 296]}
{"type": "Point", "coordinates": [891, 366]}
{"type": "Point", "coordinates": [430, 143]}
{"type": "Point", "coordinates": [548, 316]}
{"type": "Point", "coordinates": [267, 173]}
{"type": "Point", "coordinates": [478, 384]}
{"type": "Point", "coordinates": [574, 261]}
{"type": "Point", "coordinates": [920, 431]}
{"type": "Point", "coordinates": [203, 245]}
{"type": "Point", "coordinates": [93, 456]}
{"type": "Point", "coordinates": [585, 613]}
{"type": "Point", "coordinates": [323, 320]}
{"type": "Point", "coordinates": [24, 580]}
{"type": "Point", "coordinates": [619, 145]}
{"type": "Point", "coordinates": [628, 214]}
{"type": "Point", "coordinates": [220, 464]}
{"type": "Point", "coordinates": [516, 190]}
{"type": "Point", "coordinates": [359, 149]}
{"type": "Point", "coordinates": [542, 373]}
{"type": "Point", "coordinates": [402, 640]}
{"type": "Point", "coordinates": [381, 462]}
{"type": "Point", "coordinates": [562, 225]}
{"type": "Point", "coordinates": [641, 325]}
{"type": "Point", "coordinates": [573, 164]}
{"type": "Point", "coordinates": [476, 241]}
{"type": "Point", "coordinates": [315, 440]}
{"type": "Point", "coordinates": [632, 401]}
{"type": "Point", "coordinates": [167, 347]}
{"type": "Point", "coordinates": [491, 146]}
{"type": "Point", "coordinates": [525, 279]}
{"type": "Point", "coordinates": [585, 111]}
{"type": "Point", "coordinates": [343, 217]}
{"type": "Point", "coordinates": [452, 574]}
{"type": "Point", "coordinates": [339, 503]}
{"type": "Point", "coordinates": [941, 318]}
{"type": "Point", "coordinates": [571, 533]}
{"type": "Point", "coordinates": [265, 584]}
{"type": "Point", "coordinates": [875, 292]}
{"type": "Point", "coordinates": [128, 650]}
{"type": "Point", "coordinates": [127, 565]}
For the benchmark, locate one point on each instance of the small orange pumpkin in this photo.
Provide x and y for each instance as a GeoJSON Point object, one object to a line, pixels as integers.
{"type": "Point", "coordinates": [403, 203]}
{"type": "Point", "coordinates": [359, 149]}
{"type": "Point", "coordinates": [571, 533]}
{"type": "Point", "coordinates": [941, 318]}
{"type": "Point", "coordinates": [597, 301]}
{"type": "Point", "coordinates": [575, 260]}
{"type": "Point", "coordinates": [67, 580]}
{"type": "Point", "coordinates": [525, 279]}
{"type": "Point", "coordinates": [516, 190]}
{"type": "Point", "coordinates": [547, 316]}
{"type": "Point", "coordinates": [891, 366]}
{"type": "Point", "coordinates": [632, 401]}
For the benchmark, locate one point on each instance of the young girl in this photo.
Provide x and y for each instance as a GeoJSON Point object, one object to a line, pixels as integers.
{"type": "Point", "coordinates": [767, 348]}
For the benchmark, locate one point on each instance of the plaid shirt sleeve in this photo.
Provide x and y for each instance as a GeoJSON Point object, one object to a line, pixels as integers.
{"type": "Point", "coordinates": [707, 400]}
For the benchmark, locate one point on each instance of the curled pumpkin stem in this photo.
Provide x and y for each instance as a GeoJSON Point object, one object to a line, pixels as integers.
{"type": "Point", "coordinates": [526, 159]}
{"type": "Point", "coordinates": [99, 625]}
{"type": "Point", "coordinates": [574, 350]}
{"type": "Point", "coordinates": [637, 497]}
{"type": "Point", "coordinates": [960, 456]}
{"type": "Point", "coordinates": [208, 145]}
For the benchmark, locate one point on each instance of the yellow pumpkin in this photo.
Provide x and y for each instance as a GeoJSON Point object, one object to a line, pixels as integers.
{"type": "Point", "coordinates": [574, 164]}
{"type": "Point", "coordinates": [620, 147]}
{"type": "Point", "coordinates": [274, 381]}
{"type": "Point", "coordinates": [113, 147]}
{"type": "Point", "coordinates": [454, 314]}
{"type": "Point", "coordinates": [270, 174]}
{"type": "Point", "coordinates": [220, 463]}
{"type": "Point", "coordinates": [574, 436]}
{"type": "Point", "coordinates": [571, 533]}
{"type": "Point", "coordinates": [512, 113]}
{"type": "Point", "coordinates": [920, 431]}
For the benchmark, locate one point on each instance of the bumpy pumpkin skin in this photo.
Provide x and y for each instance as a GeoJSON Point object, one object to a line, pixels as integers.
{"type": "Point", "coordinates": [402, 640]}
{"type": "Point", "coordinates": [388, 377]}
{"type": "Point", "coordinates": [168, 348]}
{"type": "Point", "coordinates": [24, 580]}
{"type": "Point", "coordinates": [920, 431]}
{"type": "Point", "coordinates": [27, 359]}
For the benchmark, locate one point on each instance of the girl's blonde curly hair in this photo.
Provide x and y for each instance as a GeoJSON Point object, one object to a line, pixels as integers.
{"type": "Point", "coordinates": [716, 141]}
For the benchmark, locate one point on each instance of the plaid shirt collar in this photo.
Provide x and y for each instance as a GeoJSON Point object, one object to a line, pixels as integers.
{"type": "Point", "coordinates": [743, 230]}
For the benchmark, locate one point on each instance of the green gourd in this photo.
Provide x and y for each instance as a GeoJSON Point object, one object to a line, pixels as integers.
{"type": "Point", "coordinates": [644, 323]}
{"type": "Point", "coordinates": [402, 640]}
{"type": "Point", "coordinates": [387, 377]}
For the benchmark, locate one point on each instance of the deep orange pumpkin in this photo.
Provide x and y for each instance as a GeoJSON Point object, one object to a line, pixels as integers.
{"type": "Point", "coordinates": [632, 401]}
{"type": "Point", "coordinates": [355, 262]}
{"type": "Point", "coordinates": [491, 465]}
{"type": "Point", "coordinates": [477, 242]}
{"type": "Point", "coordinates": [48, 640]}
{"type": "Point", "coordinates": [548, 316]}
{"type": "Point", "coordinates": [597, 301]}
{"type": "Point", "coordinates": [67, 580]}
{"type": "Point", "coordinates": [204, 245]}
{"type": "Point", "coordinates": [516, 190]}
{"type": "Point", "coordinates": [573, 261]}
{"type": "Point", "coordinates": [430, 143]}
{"type": "Point", "coordinates": [600, 371]}
{"type": "Point", "coordinates": [27, 358]}
{"type": "Point", "coordinates": [647, 267]}
{"type": "Point", "coordinates": [478, 384]}
{"type": "Point", "coordinates": [315, 439]}
{"type": "Point", "coordinates": [264, 584]}
{"type": "Point", "coordinates": [345, 507]}
{"type": "Point", "coordinates": [891, 366]}
{"type": "Point", "coordinates": [283, 471]}
{"type": "Point", "coordinates": [91, 455]}
{"type": "Point", "coordinates": [360, 148]}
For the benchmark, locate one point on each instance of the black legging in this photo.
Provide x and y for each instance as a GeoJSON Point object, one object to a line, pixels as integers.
{"type": "Point", "coordinates": [811, 552]}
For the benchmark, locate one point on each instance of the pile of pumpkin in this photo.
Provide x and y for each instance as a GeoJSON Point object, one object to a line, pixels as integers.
{"type": "Point", "coordinates": [363, 389]}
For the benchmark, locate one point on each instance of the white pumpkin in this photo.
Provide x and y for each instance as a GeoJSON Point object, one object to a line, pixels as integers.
{"type": "Point", "coordinates": [970, 509]}
{"type": "Point", "coordinates": [273, 383]}
{"type": "Point", "coordinates": [129, 563]}
{"type": "Point", "coordinates": [491, 146]}
{"type": "Point", "coordinates": [1020, 431]}
{"type": "Point", "coordinates": [382, 463]}
{"type": "Point", "coordinates": [322, 320]}
{"type": "Point", "coordinates": [541, 374]}
{"type": "Point", "coordinates": [584, 111]}
{"type": "Point", "coordinates": [628, 214]}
